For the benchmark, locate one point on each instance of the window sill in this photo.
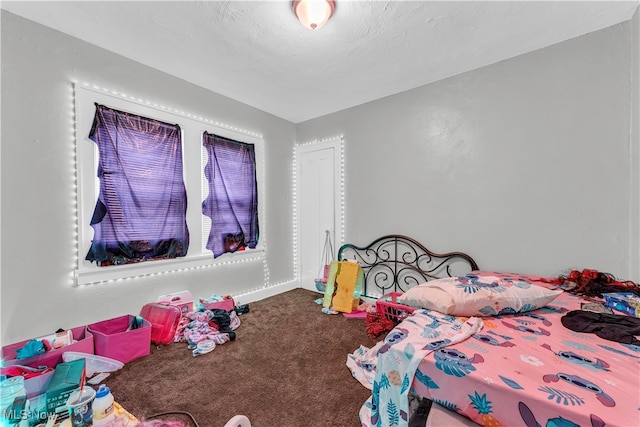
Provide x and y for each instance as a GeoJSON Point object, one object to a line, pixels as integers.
{"type": "Point", "coordinates": [89, 274]}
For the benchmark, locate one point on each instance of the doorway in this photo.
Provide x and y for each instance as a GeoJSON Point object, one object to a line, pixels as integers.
{"type": "Point", "coordinates": [318, 202]}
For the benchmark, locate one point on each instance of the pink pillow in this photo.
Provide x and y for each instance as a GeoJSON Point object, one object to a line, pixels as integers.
{"type": "Point", "coordinates": [479, 294]}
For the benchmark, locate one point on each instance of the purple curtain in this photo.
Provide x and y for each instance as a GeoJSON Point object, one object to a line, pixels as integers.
{"type": "Point", "coordinates": [141, 209]}
{"type": "Point", "coordinates": [232, 203]}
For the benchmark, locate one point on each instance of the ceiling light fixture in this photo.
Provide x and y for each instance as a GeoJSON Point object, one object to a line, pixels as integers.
{"type": "Point", "coordinates": [313, 14]}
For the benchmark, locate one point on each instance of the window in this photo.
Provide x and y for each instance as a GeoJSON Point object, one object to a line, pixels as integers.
{"type": "Point", "coordinates": [232, 201]}
{"type": "Point", "coordinates": [141, 209]}
{"type": "Point", "coordinates": [194, 157]}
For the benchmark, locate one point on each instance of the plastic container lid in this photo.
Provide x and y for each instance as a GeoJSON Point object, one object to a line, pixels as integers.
{"type": "Point", "coordinates": [103, 390]}
{"type": "Point", "coordinates": [94, 363]}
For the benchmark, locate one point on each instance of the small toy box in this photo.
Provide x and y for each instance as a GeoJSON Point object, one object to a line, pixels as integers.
{"type": "Point", "coordinates": [123, 338]}
{"type": "Point", "coordinates": [387, 305]}
{"type": "Point", "coordinates": [164, 321]}
{"type": "Point", "coordinates": [65, 379]}
{"type": "Point", "coordinates": [183, 300]}
{"type": "Point", "coordinates": [625, 302]}
{"type": "Point", "coordinates": [82, 341]}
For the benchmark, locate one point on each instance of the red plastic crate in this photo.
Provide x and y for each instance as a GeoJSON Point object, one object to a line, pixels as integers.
{"type": "Point", "coordinates": [387, 305]}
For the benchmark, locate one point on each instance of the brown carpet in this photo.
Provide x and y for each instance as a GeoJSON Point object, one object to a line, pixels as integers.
{"type": "Point", "coordinates": [285, 368]}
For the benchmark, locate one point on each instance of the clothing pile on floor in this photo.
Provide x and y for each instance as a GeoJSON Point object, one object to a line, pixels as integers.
{"type": "Point", "coordinates": [203, 330]}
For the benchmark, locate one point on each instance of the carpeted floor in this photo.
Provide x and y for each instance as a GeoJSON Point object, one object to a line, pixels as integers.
{"type": "Point", "coordinates": [286, 368]}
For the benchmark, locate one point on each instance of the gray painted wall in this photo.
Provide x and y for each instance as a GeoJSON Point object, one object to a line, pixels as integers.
{"type": "Point", "coordinates": [524, 164]}
{"type": "Point", "coordinates": [38, 199]}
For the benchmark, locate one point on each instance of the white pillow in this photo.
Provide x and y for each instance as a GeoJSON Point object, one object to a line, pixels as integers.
{"type": "Point", "coordinates": [478, 294]}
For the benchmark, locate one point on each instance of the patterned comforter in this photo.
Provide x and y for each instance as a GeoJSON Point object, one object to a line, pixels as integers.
{"type": "Point", "coordinates": [519, 369]}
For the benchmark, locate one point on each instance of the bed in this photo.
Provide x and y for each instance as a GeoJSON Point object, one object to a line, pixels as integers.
{"type": "Point", "coordinates": [522, 368]}
{"type": "Point", "coordinates": [395, 263]}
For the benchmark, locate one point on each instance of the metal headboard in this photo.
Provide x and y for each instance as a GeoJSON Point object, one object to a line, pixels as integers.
{"type": "Point", "coordinates": [395, 263]}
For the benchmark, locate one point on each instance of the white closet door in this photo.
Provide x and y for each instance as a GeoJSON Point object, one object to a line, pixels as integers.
{"type": "Point", "coordinates": [318, 204]}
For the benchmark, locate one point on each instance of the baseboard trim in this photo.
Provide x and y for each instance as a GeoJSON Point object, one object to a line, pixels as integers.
{"type": "Point", "coordinates": [260, 294]}
{"type": "Point", "coordinates": [310, 287]}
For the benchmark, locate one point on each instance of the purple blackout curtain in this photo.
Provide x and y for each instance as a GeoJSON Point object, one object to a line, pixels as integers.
{"type": "Point", "coordinates": [141, 209]}
{"type": "Point", "coordinates": [232, 203]}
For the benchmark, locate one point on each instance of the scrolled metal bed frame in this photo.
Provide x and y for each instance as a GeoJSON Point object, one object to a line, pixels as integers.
{"type": "Point", "coordinates": [395, 263]}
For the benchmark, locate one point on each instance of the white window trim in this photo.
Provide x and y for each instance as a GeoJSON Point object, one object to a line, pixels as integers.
{"type": "Point", "coordinates": [193, 160]}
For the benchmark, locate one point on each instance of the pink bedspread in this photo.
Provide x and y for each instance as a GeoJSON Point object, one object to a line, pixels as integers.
{"type": "Point", "coordinates": [528, 369]}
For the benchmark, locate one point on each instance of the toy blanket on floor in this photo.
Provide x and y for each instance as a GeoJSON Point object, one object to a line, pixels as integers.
{"type": "Point", "coordinates": [391, 365]}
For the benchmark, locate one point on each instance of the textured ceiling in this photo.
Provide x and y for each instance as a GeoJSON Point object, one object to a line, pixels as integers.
{"type": "Point", "coordinates": [258, 53]}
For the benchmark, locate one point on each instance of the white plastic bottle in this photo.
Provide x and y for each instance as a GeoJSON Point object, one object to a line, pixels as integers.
{"type": "Point", "coordinates": [103, 410]}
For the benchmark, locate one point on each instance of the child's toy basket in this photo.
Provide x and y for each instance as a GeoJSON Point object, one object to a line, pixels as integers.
{"type": "Point", "coordinates": [387, 305]}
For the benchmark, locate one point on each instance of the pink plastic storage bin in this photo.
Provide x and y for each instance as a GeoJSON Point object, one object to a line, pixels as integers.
{"type": "Point", "coordinates": [83, 343]}
{"type": "Point", "coordinates": [115, 339]}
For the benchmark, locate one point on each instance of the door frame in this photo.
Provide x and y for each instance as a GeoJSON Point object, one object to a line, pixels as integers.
{"type": "Point", "coordinates": [337, 143]}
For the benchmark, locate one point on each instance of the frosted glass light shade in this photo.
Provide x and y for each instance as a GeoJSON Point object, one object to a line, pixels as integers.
{"type": "Point", "coordinates": [313, 14]}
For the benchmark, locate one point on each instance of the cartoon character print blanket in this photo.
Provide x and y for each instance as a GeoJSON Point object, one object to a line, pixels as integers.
{"type": "Point", "coordinates": [388, 368]}
{"type": "Point", "coordinates": [529, 370]}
